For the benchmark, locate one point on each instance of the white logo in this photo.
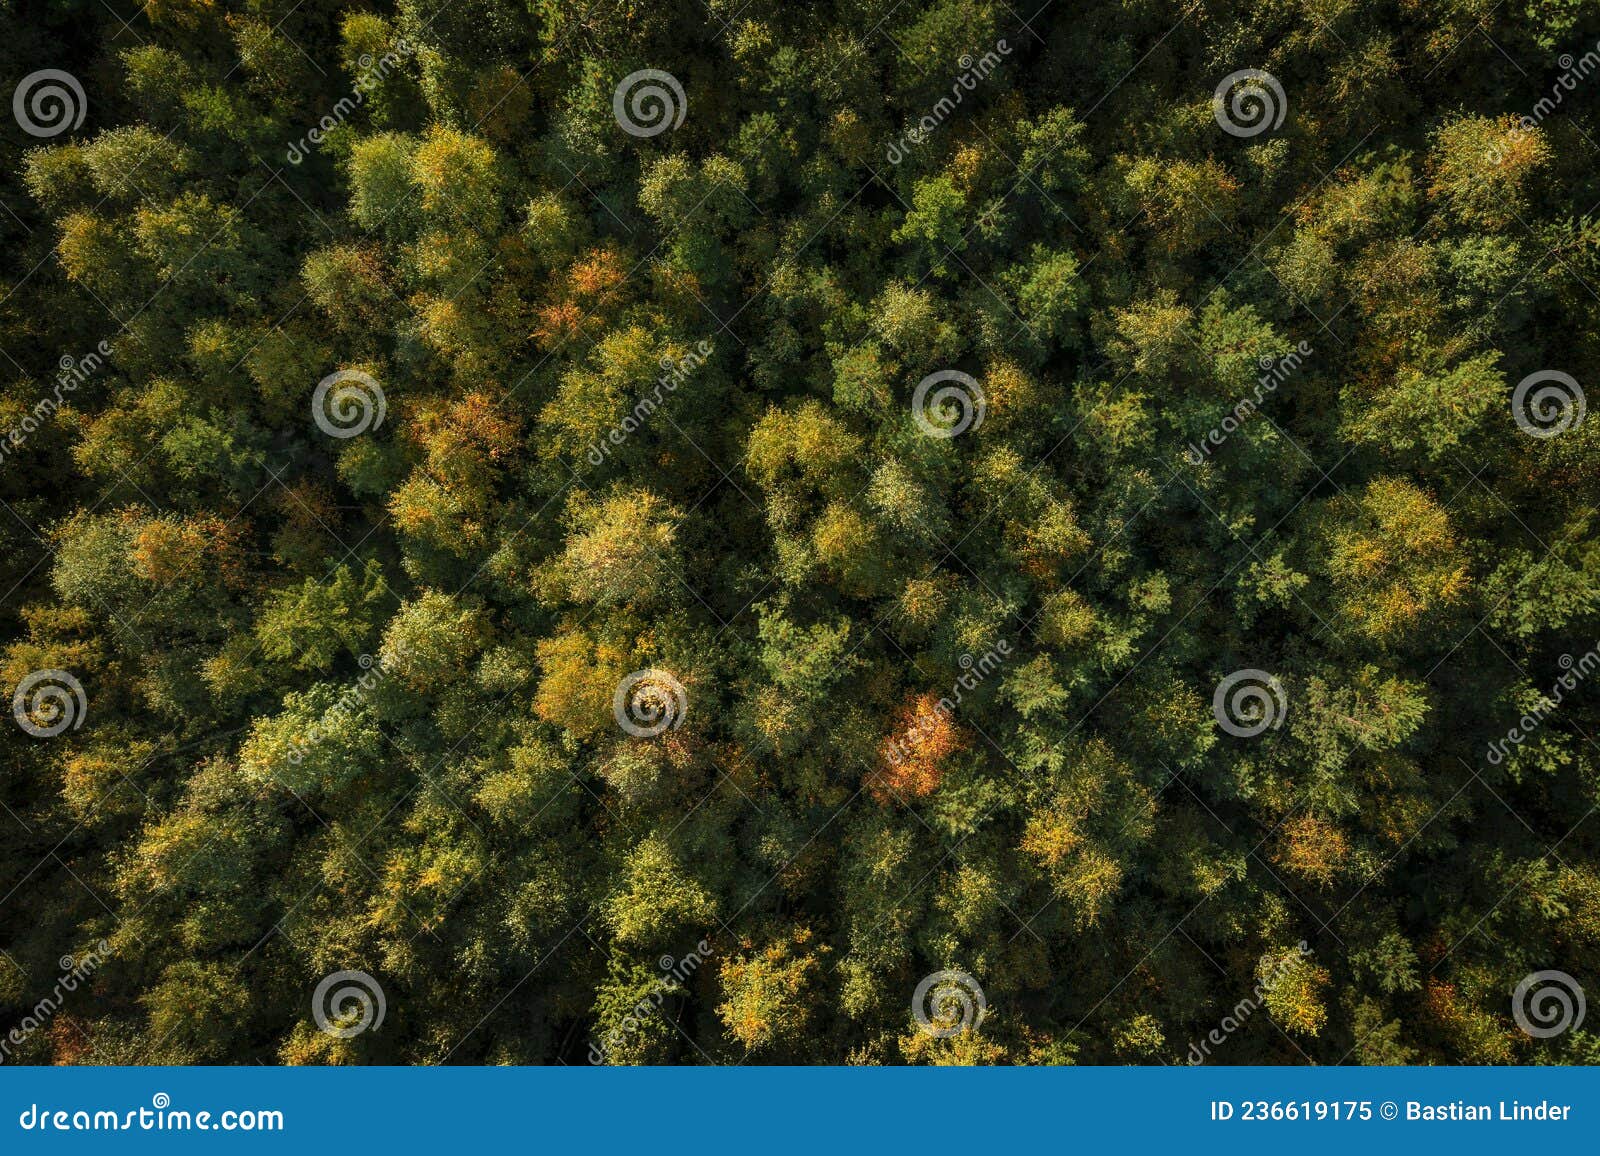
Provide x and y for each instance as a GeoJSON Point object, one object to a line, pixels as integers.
{"type": "Point", "coordinates": [356, 992]}
{"type": "Point", "coordinates": [1544, 1012]}
{"type": "Point", "coordinates": [1253, 108]}
{"type": "Point", "coordinates": [649, 102]}
{"type": "Point", "coordinates": [953, 409]}
{"type": "Point", "coordinates": [649, 702]}
{"type": "Point", "coordinates": [49, 102]}
{"type": "Point", "coordinates": [947, 1003]}
{"type": "Point", "coordinates": [356, 406]}
{"type": "Point", "coordinates": [1256, 705]}
{"type": "Point", "coordinates": [1555, 407]}
{"type": "Point", "coordinates": [47, 702]}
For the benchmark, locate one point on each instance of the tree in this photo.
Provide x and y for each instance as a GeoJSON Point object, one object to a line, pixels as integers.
{"type": "Point", "coordinates": [1280, 432]}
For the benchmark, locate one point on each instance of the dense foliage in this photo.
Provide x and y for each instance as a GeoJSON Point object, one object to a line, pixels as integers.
{"type": "Point", "coordinates": [1237, 401]}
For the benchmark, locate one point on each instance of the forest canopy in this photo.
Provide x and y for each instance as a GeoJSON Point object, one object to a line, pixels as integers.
{"type": "Point", "coordinates": [873, 532]}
